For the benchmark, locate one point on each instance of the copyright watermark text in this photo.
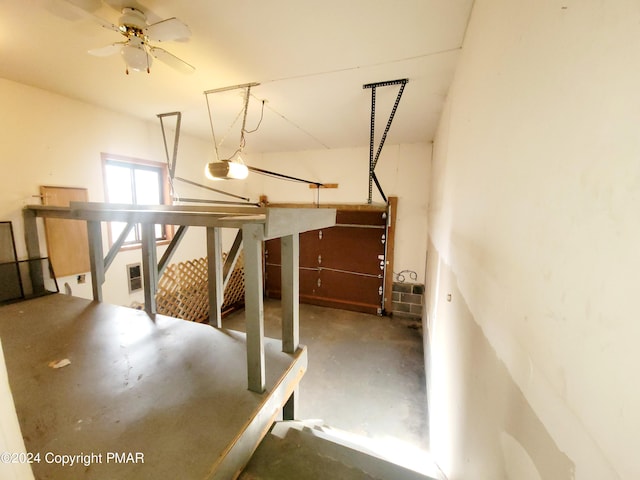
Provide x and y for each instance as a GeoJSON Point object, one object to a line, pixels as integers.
{"type": "Point", "coordinates": [70, 460]}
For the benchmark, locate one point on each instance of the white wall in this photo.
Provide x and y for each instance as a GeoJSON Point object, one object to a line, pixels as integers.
{"type": "Point", "coordinates": [52, 140]}
{"type": "Point", "coordinates": [534, 232]}
{"type": "Point", "coordinates": [10, 436]}
{"type": "Point", "coordinates": [403, 171]}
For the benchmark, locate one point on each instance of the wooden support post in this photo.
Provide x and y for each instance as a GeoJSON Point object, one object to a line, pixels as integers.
{"type": "Point", "coordinates": [214, 263]}
{"type": "Point", "coordinates": [32, 241]}
{"type": "Point", "coordinates": [96, 261]}
{"type": "Point", "coordinates": [387, 301]}
{"type": "Point", "coordinates": [290, 276]}
{"type": "Point", "coordinates": [149, 267]}
{"type": "Point", "coordinates": [252, 236]}
{"type": "Point", "coordinates": [31, 233]}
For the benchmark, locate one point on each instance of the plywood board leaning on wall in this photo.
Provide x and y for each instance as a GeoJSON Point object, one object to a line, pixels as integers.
{"type": "Point", "coordinates": [67, 241]}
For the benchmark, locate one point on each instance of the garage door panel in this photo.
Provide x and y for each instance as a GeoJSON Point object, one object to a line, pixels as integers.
{"type": "Point", "coordinates": [273, 252]}
{"type": "Point", "coordinates": [273, 280]}
{"type": "Point", "coordinates": [309, 248]}
{"type": "Point", "coordinates": [308, 282]}
{"type": "Point", "coordinates": [353, 249]}
{"type": "Point", "coordinates": [351, 289]}
{"type": "Point", "coordinates": [355, 217]}
{"type": "Point", "coordinates": [339, 266]}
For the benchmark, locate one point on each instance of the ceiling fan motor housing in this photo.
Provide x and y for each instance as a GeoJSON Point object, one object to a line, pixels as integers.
{"type": "Point", "coordinates": [133, 21]}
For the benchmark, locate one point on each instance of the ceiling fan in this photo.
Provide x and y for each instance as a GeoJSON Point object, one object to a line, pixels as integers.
{"type": "Point", "coordinates": [136, 49]}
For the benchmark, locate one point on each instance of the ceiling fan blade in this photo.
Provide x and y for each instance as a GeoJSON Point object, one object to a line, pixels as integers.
{"type": "Point", "coordinates": [87, 5]}
{"type": "Point", "coordinates": [170, 29]}
{"type": "Point", "coordinates": [171, 60]}
{"type": "Point", "coordinates": [71, 10]}
{"type": "Point", "coordinates": [75, 10]}
{"type": "Point", "coordinates": [108, 50]}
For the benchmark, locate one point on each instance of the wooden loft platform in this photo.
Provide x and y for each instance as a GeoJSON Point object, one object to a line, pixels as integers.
{"type": "Point", "coordinates": [174, 391]}
{"type": "Point", "coordinates": [171, 393]}
{"type": "Point", "coordinates": [277, 221]}
{"type": "Point", "coordinates": [255, 225]}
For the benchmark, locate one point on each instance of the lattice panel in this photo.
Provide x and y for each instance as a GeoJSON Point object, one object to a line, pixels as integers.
{"type": "Point", "coordinates": [234, 293]}
{"type": "Point", "coordinates": [183, 290]}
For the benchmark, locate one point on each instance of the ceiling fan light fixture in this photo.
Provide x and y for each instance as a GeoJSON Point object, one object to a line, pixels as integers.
{"type": "Point", "coordinates": [136, 57]}
{"type": "Point", "coordinates": [136, 49]}
{"type": "Point", "coordinates": [226, 170]}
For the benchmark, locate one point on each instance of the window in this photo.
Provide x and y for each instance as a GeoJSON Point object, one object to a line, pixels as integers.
{"type": "Point", "coordinates": [134, 182]}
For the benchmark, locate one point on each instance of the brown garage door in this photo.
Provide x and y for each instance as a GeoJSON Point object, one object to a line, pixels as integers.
{"type": "Point", "coordinates": [341, 266]}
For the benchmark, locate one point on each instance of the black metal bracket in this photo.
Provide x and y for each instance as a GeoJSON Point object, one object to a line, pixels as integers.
{"type": "Point", "coordinates": [373, 159]}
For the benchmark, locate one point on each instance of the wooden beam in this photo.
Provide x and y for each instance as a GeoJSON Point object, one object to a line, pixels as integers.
{"type": "Point", "coordinates": [214, 266]}
{"type": "Point", "coordinates": [252, 237]}
{"type": "Point", "coordinates": [104, 207]}
{"type": "Point", "coordinates": [290, 281]}
{"type": "Point", "coordinates": [279, 221]}
{"type": "Point", "coordinates": [286, 221]}
{"type": "Point", "coordinates": [196, 219]}
{"type": "Point", "coordinates": [50, 211]}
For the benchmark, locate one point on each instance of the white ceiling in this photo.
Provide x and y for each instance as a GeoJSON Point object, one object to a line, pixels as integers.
{"type": "Point", "coordinates": [310, 58]}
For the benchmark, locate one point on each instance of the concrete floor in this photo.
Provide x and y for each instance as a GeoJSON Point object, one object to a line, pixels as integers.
{"type": "Point", "coordinates": [365, 374]}
{"type": "Point", "coordinates": [299, 450]}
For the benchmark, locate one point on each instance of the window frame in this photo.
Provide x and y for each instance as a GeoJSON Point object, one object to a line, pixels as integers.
{"type": "Point", "coordinates": [168, 230]}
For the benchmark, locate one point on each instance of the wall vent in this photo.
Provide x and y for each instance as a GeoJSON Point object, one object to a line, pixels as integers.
{"type": "Point", "coordinates": [134, 277]}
